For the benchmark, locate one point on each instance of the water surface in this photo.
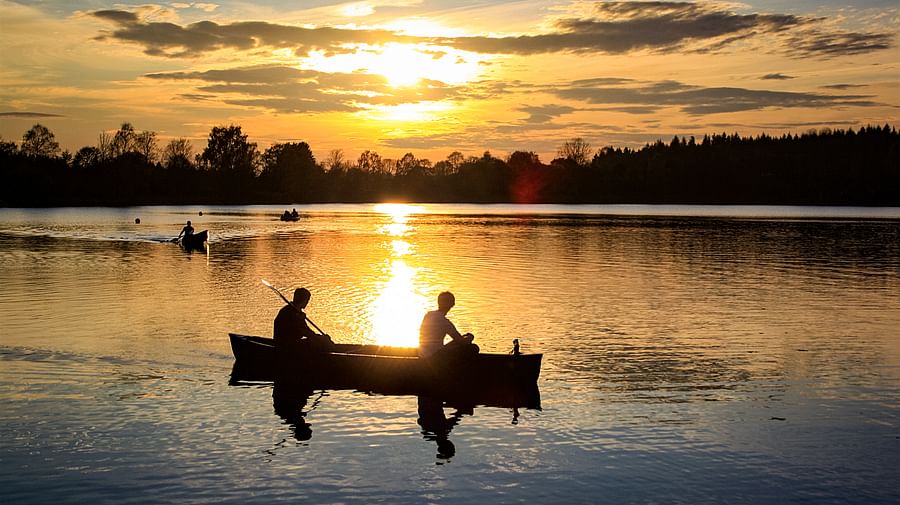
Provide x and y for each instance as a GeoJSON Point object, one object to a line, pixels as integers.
{"type": "Point", "coordinates": [691, 354]}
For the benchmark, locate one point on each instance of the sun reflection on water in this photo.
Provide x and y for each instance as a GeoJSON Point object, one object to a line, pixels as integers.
{"type": "Point", "coordinates": [398, 309]}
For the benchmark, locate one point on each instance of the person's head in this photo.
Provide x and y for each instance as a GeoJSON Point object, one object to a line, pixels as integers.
{"type": "Point", "coordinates": [446, 301]}
{"type": "Point", "coordinates": [188, 223]}
{"type": "Point", "coordinates": [301, 297]}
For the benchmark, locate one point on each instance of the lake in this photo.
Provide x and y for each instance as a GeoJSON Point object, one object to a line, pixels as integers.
{"type": "Point", "coordinates": [691, 354]}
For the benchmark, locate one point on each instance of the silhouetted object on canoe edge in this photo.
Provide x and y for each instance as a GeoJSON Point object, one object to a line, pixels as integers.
{"type": "Point", "coordinates": [195, 241]}
{"type": "Point", "coordinates": [436, 426]}
{"type": "Point", "coordinates": [435, 327]}
{"type": "Point", "coordinates": [392, 370]}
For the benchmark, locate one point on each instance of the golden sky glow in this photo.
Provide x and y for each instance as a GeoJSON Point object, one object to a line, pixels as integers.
{"type": "Point", "coordinates": [433, 77]}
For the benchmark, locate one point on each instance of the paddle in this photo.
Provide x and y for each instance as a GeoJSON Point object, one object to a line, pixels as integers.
{"type": "Point", "coordinates": [273, 288]}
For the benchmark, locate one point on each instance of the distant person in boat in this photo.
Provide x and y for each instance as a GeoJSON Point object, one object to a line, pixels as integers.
{"type": "Point", "coordinates": [435, 326]}
{"type": "Point", "coordinates": [294, 214]}
{"type": "Point", "coordinates": [291, 329]}
{"type": "Point", "coordinates": [187, 231]}
{"type": "Point", "coordinates": [286, 216]}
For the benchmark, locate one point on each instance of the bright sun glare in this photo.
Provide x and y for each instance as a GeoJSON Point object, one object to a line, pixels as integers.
{"type": "Point", "coordinates": [402, 65]}
{"type": "Point", "coordinates": [408, 69]}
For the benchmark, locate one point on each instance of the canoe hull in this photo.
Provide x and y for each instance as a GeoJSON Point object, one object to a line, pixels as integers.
{"type": "Point", "coordinates": [196, 241]}
{"type": "Point", "coordinates": [384, 369]}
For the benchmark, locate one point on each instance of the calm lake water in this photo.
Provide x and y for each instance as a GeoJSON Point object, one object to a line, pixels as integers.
{"type": "Point", "coordinates": [691, 355]}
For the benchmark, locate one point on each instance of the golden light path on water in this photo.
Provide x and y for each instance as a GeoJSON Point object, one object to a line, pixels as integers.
{"type": "Point", "coordinates": [397, 311]}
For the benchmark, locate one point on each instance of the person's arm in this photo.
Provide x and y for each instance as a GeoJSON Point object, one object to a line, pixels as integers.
{"type": "Point", "coordinates": [450, 329]}
{"type": "Point", "coordinates": [305, 329]}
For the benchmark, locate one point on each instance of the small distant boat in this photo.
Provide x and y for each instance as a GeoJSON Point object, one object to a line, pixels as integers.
{"type": "Point", "coordinates": [289, 216]}
{"type": "Point", "coordinates": [195, 241]}
{"type": "Point", "coordinates": [395, 370]}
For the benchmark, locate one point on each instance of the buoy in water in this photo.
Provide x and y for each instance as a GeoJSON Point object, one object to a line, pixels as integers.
{"type": "Point", "coordinates": [137, 220]}
{"type": "Point", "coordinates": [200, 213]}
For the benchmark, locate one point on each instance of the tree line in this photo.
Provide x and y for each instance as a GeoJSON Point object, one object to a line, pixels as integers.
{"type": "Point", "coordinates": [129, 167]}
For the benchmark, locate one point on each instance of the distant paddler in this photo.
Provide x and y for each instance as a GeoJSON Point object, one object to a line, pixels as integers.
{"type": "Point", "coordinates": [187, 231]}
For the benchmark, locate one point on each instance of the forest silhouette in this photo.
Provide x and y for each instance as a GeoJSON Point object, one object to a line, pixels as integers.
{"type": "Point", "coordinates": [128, 167]}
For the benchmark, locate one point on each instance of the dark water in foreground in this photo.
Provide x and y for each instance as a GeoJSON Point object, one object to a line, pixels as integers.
{"type": "Point", "coordinates": [710, 355]}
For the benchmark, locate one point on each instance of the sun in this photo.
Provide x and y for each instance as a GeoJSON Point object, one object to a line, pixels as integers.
{"type": "Point", "coordinates": [401, 65]}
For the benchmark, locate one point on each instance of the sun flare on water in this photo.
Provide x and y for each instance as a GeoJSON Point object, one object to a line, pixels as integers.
{"type": "Point", "coordinates": [398, 309]}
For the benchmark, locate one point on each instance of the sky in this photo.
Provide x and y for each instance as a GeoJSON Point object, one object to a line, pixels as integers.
{"type": "Point", "coordinates": [433, 77]}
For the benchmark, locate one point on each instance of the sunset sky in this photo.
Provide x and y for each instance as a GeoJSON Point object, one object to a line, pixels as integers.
{"type": "Point", "coordinates": [435, 76]}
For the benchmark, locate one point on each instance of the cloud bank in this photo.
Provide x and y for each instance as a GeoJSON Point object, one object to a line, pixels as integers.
{"type": "Point", "coordinates": [611, 28]}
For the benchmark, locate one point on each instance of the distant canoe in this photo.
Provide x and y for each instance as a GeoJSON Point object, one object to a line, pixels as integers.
{"type": "Point", "coordinates": [289, 217]}
{"type": "Point", "coordinates": [397, 370]}
{"type": "Point", "coordinates": [195, 241]}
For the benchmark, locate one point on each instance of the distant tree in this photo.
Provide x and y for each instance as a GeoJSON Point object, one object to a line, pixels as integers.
{"type": "Point", "coordinates": [290, 168]}
{"type": "Point", "coordinates": [407, 165]}
{"type": "Point", "coordinates": [455, 159]}
{"type": "Point", "coordinates": [335, 161]}
{"type": "Point", "coordinates": [87, 157]}
{"type": "Point", "coordinates": [39, 141]}
{"type": "Point", "coordinates": [519, 160]}
{"type": "Point", "coordinates": [229, 153]}
{"type": "Point", "coordinates": [443, 168]}
{"type": "Point", "coordinates": [290, 156]}
{"type": "Point", "coordinates": [123, 141]}
{"type": "Point", "coordinates": [178, 154]}
{"type": "Point", "coordinates": [105, 145]}
{"type": "Point", "coordinates": [145, 145]}
{"type": "Point", "coordinates": [370, 162]}
{"type": "Point", "coordinates": [388, 166]}
{"type": "Point", "coordinates": [7, 148]}
{"type": "Point", "coordinates": [576, 150]}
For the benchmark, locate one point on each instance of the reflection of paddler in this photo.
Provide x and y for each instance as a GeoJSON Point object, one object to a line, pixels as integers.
{"type": "Point", "coordinates": [289, 401]}
{"type": "Point", "coordinates": [436, 426]}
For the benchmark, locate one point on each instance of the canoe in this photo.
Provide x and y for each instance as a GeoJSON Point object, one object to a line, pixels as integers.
{"type": "Point", "coordinates": [289, 218]}
{"type": "Point", "coordinates": [195, 241]}
{"type": "Point", "coordinates": [383, 368]}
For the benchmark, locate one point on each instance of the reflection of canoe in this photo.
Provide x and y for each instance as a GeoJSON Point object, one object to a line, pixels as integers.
{"type": "Point", "coordinates": [195, 241]}
{"type": "Point", "coordinates": [526, 396]}
{"type": "Point", "coordinates": [394, 370]}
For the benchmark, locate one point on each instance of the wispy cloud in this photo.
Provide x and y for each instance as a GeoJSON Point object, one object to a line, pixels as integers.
{"type": "Point", "coordinates": [28, 115]}
{"type": "Point", "coordinates": [776, 77]}
{"type": "Point", "coordinates": [611, 28]}
{"type": "Point", "coordinates": [696, 100]}
{"type": "Point", "coordinates": [288, 89]}
{"type": "Point", "coordinates": [175, 41]}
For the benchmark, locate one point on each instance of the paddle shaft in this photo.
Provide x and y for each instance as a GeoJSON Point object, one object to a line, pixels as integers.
{"type": "Point", "coordinates": [273, 288]}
